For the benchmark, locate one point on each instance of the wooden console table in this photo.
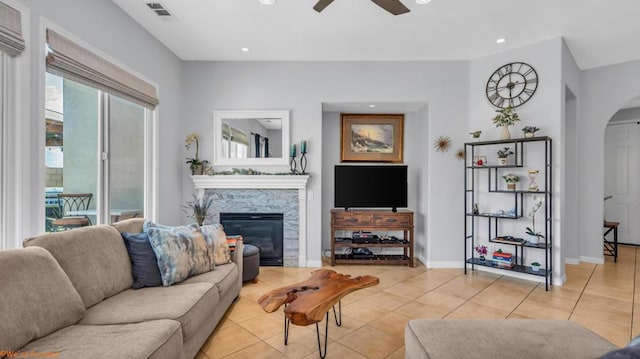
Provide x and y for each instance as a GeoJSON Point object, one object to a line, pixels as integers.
{"type": "Point", "coordinates": [373, 220]}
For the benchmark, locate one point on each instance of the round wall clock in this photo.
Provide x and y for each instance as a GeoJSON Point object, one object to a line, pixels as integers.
{"type": "Point", "coordinates": [512, 85]}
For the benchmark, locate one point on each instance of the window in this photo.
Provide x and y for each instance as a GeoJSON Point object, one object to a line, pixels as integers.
{"type": "Point", "coordinates": [235, 143]}
{"type": "Point", "coordinates": [97, 120]}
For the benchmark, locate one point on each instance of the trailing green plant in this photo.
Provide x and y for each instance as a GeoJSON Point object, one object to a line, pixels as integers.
{"type": "Point", "coordinates": [511, 178]}
{"type": "Point", "coordinates": [475, 134]}
{"type": "Point", "coordinates": [536, 264]}
{"type": "Point", "coordinates": [504, 153]}
{"type": "Point", "coordinates": [506, 117]}
{"type": "Point", "coordinates": [199, 209]}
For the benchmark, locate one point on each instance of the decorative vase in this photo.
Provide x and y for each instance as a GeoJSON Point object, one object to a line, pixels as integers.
{"type": "Point", "coordinates": [535, 268]}
{"type": "Point", "coordinates": [529, 134]}
{"type": "Point", "coordinates": [503, 161]}
{"type": "Point", "coordinates": [197, 169]}
{"type": "Point", "coordinates": [511, 186]}
{"type": "Point", "coordinates": [505, 135]}
{"type": "Point", "coordinates": [482, 258]}
{"type": "Point", "coordinates": [533, 239]}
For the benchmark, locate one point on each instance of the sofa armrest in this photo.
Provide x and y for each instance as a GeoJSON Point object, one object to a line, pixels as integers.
{"type": "Point", "coordinates": [237, 258]}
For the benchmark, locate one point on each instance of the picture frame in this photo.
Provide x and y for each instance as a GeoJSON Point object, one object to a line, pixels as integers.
{"type": "Point", "coordinates": [372, 138]}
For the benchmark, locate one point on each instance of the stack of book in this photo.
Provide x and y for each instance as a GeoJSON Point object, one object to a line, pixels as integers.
{"type": "Point", "coordinates": [503, 260]}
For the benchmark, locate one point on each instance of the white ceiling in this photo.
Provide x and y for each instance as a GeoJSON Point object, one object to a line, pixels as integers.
{"type": "Point", "coordinates": [598, 32]}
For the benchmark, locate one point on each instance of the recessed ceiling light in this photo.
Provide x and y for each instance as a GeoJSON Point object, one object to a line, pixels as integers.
{"type": "Point", "coordinates": [268, 2]}
{"type": "Point", "coordinates": [245, 49]}
{"type": "Point", "coordinates": [501, 40]}
{"type": "Point", "coordinates": [372, 105]}
{"type": "Point", "coordinates": [422, 2]}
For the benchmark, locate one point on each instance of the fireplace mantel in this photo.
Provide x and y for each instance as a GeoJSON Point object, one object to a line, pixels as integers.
{"type": "Point", "coordinates": [286, 182]}
{"type": "Point", "coordinates": [251, 181]}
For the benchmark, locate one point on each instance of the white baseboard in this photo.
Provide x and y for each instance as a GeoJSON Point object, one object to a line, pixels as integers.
{"type": "Point", "coordinates": [314, 264]}
{"type": "Point", "coordinates": [573, 261]}
{"type": "Point", "coordinates": [443, 264]}
{"type": "Point", "coordinates": [592, 260]}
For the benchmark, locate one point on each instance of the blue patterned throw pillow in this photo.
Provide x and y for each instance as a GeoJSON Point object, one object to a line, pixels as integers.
{"type": "Point", "coordinates": [181, 251]}
{"type": "Point", "coordinates": [216, 243]}
{"type": "Point", "coordinates": [144, 264]}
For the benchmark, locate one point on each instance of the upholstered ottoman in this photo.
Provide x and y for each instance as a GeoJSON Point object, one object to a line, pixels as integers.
{"type": "Point", "coordinates": [501, 338]}
{"type": "Point", "coordinates": [250, 263]}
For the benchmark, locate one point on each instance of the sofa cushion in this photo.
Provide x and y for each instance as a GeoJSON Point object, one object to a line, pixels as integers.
{"type": "Point", "coordinates": [157, 339]}
{"type": "Point", "coordinates": [131, 225]}
{"type": "Point", "coordinates": [94, 258]}
{"type": "Point", "coordinates": [144, 264]}
{"type": "Point", "coordinates": [181, 251]}
{"type": "Point", "coordinates": [189, 304]}
{"type": "Point", "coordinates": [225, 277]}
{"type": "Point", "coordinates": [36, 296]}
{"type": "Point", "coordinates": [486, 338]}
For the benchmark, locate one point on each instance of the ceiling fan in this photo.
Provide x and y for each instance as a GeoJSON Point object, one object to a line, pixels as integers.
{"type": "Point", "coordinates": [393, 6]}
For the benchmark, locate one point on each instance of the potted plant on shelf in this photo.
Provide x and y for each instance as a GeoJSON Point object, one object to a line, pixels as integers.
{"type": "Point", "coordinates": [511, 180]}
{"type": "Point", "coordinates": [196, 165]}
{"type": "Point", "coordinates": [482, 252]}
{"type": "Point", "coordinates": [530, 131]}
{"type": "Point", "coordinates": [503, 156]}
{"type": "Point", "coordinates": [506, 117]}
{"type": "Point", "coordinates": [534, 237]}
{"type": "Point", "coordinates": [535, 266]}
{"type": "Point", "coordinates": [475, 135]}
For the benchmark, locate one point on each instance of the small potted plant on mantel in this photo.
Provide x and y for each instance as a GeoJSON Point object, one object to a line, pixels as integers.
{"type": "Point", "coordinates": [511, 180]}
{"type": "Point", "coordinates": [503, 156]}
{"type": "Point", "coordinates": [535, 267]}
{"type": "Point", "coordinates": [530, 131]}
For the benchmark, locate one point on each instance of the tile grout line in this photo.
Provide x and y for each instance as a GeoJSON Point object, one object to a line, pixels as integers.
{"type": "Point", "coordinates": [523, 300]}
{"type": "Point", "coordinates": [583, 289]}
{"type": "Point", "coordinates": [473, 296]}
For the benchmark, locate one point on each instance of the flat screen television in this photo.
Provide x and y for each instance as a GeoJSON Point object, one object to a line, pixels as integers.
{"type": "Point", "coordinates": [370, 187]}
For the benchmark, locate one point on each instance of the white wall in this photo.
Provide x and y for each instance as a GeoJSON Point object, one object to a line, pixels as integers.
{"type": "Point", "coordinates": [603, 90]}
{"type": "Point", "coordinates": [103, 26]}
{"type": "Point", "coordinates": [303, 87]}
{"type": "Point", "coordinates": [543, 110]}
{"type": "Point", "coordinates": [570, 249]}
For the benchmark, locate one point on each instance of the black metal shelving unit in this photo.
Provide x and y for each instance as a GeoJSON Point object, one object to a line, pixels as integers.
{"type": "Point", "coordinates": [493, 173]}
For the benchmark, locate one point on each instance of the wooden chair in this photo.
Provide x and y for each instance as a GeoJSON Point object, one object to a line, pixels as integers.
{"type": "Point", "coordinates": [69, 202]}
{"type": "Point", "coordinates": [611, 247]}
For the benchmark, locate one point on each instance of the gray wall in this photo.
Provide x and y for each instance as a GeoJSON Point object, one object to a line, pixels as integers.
{"type": "Point", "coordinates": [303, 87]}
{"type": "Point", "coordinates": [104, 26]}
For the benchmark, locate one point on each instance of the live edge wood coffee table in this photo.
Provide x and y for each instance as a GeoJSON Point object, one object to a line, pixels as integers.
{"type": "Point", "coordinates": [308, 302]}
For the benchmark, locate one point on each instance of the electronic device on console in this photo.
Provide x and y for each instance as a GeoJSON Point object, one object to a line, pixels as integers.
{"type": "Point", "coordinates": [364, 237]}
{"type": "Point", "coordinates": [360, 253]}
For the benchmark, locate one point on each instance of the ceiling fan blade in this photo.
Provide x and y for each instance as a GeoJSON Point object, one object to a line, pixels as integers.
{"type": "Point", "coordinates": [393, 6]}
{"type": "Point", "coordinates": [321, 4]}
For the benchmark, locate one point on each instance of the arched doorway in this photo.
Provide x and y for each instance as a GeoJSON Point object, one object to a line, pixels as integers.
{"type": "Point", "coordinates": [622, 170]}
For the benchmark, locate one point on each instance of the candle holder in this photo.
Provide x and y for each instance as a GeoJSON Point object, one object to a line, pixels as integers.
{"type": "Point", "coordinates": [292, 164]}
{"type": "Point", "coordinates": [303, 163]}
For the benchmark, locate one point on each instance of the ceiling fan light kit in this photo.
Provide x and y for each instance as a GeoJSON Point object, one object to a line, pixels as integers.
{"type": "Point", "coordinates": [393, 6]}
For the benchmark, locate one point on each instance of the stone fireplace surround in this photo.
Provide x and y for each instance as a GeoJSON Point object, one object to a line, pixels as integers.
{"type": "Point", "coordinates": [266, 194]}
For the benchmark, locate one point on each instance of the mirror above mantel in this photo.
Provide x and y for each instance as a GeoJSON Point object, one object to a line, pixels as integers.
{"type": "Point", "coordinates": [251, 138]}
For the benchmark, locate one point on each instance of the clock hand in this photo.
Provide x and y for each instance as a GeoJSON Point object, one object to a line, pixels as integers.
{"type": "Point", "coordinates": [507, 86]}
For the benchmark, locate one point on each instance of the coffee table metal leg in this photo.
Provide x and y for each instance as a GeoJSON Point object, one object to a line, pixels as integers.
{"type": "Point", "coordinates": [286, 327]}
{"type": "Point", "coordinates": [338, 322]}
{"type": "Point", "coordinates": [326, 338]}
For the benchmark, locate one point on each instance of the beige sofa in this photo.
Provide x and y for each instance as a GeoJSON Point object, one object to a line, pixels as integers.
{"type": "Point", "coordinates": [501, 338]}
{"type": "Point", "coordinates": [70, 293]}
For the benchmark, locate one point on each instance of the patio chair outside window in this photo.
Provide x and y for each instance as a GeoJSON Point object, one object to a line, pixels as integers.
{"type": "Point", "coordinates": [68, 203]}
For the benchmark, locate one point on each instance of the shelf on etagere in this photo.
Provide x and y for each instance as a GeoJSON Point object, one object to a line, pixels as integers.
{"type": "Point", "coordinates": [512, 140]}
{"type": "Point", "coordinates": [517, 268]}
{"type": "Point", "coordinates": [515, 191]}
{"type": "Point", "coordinates": [495, 166]}
{"type": "Point", "coordinates": [523, 243]}
{"type": "Point", "coordinates": [488, 215]}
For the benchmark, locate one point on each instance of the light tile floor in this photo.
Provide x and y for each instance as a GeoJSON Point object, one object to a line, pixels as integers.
{"type": "Point", "coordinates": [599, 297]}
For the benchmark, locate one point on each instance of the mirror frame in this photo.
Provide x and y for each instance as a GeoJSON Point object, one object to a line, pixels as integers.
{"type": "Point", "coordinates": [218, 116]}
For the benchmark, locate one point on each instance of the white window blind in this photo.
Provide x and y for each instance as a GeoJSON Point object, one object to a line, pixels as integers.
{"type": "Point", "coordinates": [235, 135]}
{"type": "Point", "coordinates": [11, 40]}
{"type": "Point", "coordinates": [70, 60]}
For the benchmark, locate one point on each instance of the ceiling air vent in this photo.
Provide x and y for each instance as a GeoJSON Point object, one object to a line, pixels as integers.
{"type": "Point", "coordinates": [158, 9]}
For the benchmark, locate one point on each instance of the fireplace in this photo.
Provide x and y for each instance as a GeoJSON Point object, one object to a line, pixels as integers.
{"type": "Point", "coordinates": [263, 230]}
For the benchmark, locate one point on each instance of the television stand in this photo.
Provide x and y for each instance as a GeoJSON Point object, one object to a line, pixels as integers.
{"type": "Point", "coordinates": [373, 220]}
